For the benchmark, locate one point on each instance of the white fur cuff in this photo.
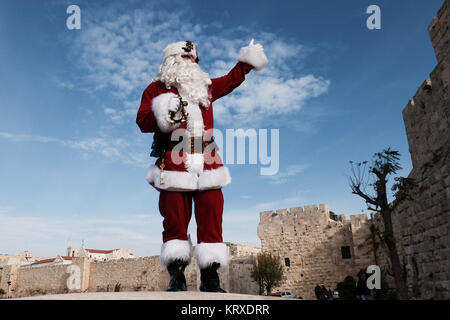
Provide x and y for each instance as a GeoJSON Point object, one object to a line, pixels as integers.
{"type": "Point", "coordinates": [208, 253]}
{"type": "Point", "coordinates": [253, 54]}
{"type": "Point", "coordinates": [188, 181]}
{"type": "Point", "coordinates": [160, 108]}
{"type": "Point", "coordinates": [175, 249]}
{"type": "Point", "coordinates": [173, 180]}
{"type": "Point", "coordinates": [214, 179]}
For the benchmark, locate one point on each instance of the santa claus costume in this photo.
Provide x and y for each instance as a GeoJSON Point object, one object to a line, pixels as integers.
{"type": "Point", "coordinates": [177, 106]}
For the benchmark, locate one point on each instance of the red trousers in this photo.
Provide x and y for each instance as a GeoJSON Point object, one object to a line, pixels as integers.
{"type": "Point", "coordinates": [176, 208]}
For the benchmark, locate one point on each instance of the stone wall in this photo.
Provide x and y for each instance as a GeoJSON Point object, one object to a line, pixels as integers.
{"type": "Point", "coordinates": [138, 274]}
{"type": "Point", "coordinates": [312, 242]}
{"type": "Point", "coordinates": [51, 279]}
{"type": "Point", "coordinates": [8, 279]}
{"type": "Point", "coordinates": [240, 280]}
{"type": "Point", "coordinates": [422, 225]}
{"type": "Point", "coordinates": [237, 250]}
{"type": "Point", "coordinates": [234, 278]}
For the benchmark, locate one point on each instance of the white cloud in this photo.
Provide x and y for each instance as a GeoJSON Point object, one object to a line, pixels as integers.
{"type": "Point", "coordinates": [6, 209]}
{"type": "Point", "coordinates": [109, 111]}
{"type": "Point", "coordinates": [27, 138]}
{"type": "Point", "coordinates": [64, 84]}
{"type": "Point", "coordinates": [283, 176]}
{"type": "Point", "coordinates": [116, 149]}
{"type": "Point", "coordinates": [265, 96]}
{"type": "Point", "coordinates": [48, 236]}
{"type": "Point", "coordinates": [121, 51]}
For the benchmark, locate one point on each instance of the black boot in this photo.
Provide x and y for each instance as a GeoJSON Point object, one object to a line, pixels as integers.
{"type": "Point", "coordinates": [210, 279]}
{"type": "Point", "coordinates": [177, 279]}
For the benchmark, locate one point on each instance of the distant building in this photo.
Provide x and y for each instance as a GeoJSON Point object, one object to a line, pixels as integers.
{"type": "Point", "coordinates": [100, 255]}
{"type": "Point", "coordinates": [52, 261]}
{"type": "Point", "coordinates": [26, 259]}
{"type": "Point", "coordinates": [22, 259]}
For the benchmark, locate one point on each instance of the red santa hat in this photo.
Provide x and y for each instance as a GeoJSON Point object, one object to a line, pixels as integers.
{"type": "Point", "coordinates": [181, 48]}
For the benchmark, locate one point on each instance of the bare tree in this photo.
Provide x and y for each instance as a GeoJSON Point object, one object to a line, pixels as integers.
{"type": "Point", "coordinates": [376, 175]}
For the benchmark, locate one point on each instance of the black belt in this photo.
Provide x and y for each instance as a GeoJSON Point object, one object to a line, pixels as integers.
{"type": "Point", "coordinates": [194, 145]}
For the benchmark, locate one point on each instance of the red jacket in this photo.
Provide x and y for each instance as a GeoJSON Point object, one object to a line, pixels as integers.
{"type": "Point", "coordinates": [151, 117]}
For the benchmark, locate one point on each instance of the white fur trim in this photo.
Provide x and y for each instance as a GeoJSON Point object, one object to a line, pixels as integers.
{"type": "Point", "coordinates": [194, 122]}
{"type": "Point", "coordinates": [194, 163]}
{"type": "Point", "coordinates": [195, 128]}
{"type": "Point", "coordinates": [175, 249]}
{"type": "Point", "coordinates": [253, 54]}
{"type": "Point", "coordinates": [176, 48]}
{"type": "Point", "coordinates": [160, 108]}
{"type": "Point", "coordinates": [186, 181]}
{"type": "Point", "coordinates": [214, 179]}
{"type": "Point", "coordinates": [173, 180]}
{"type": "Point", "coordinates": [207, 253]}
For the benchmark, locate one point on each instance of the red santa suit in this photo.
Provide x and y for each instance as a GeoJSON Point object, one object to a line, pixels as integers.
{"type": "Point", "coordinates": [183, 177]}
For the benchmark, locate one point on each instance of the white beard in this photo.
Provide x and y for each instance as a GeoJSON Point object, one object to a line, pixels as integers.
{"type": "Point", "coordinates": [192, 84]}
{"type": "Point", "coordinates": [190, 80]}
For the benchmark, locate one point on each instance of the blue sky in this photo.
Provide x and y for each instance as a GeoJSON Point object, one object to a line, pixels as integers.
{"type": "Point", "coordinates": [73, 161]}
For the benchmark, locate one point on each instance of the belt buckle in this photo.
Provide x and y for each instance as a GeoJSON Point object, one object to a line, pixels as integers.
{"type": "Point", "coordinates": [196, 144]}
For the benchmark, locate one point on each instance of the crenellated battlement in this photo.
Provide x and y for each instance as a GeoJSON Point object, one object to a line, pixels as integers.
{"type": "Point", "coordinates": [439, 33]}
{"type": "Point", "coordinates": [306, 212]}
{"type": "Point", "coordinates": [310, 214]}
{"type": "Point", "coordinates": [426, 114]}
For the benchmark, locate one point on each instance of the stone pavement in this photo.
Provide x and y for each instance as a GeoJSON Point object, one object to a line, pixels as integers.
{"type": "Point", "coordinates": [151, 295]}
